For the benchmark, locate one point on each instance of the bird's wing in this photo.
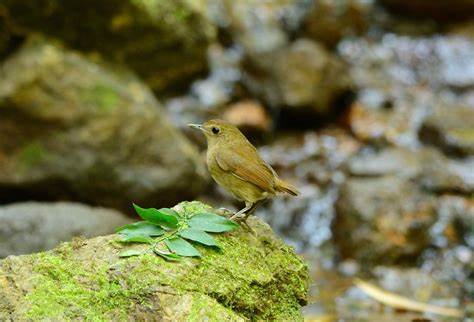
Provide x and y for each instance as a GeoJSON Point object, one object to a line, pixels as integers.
{"type": "Point", "coordinates": [247, 165]}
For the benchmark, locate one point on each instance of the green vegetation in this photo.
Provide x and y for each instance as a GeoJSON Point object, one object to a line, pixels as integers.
{"type": "Point", "coordinates": [168, 232]}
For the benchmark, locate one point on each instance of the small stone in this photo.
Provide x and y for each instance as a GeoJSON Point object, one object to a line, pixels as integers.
{"type": "Point", "coordinates": [249, 115]}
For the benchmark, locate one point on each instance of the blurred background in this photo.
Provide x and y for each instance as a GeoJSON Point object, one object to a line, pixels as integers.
{"type": "Point", "coordinates": [367, 106]}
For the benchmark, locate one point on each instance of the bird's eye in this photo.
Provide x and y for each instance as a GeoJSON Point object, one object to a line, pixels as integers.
{"type": "Point", "coordinates": [215, 130]}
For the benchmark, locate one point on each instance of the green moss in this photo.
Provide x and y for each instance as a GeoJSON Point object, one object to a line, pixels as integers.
{"type": "Point", "coordinates": [101, 96]}
{"type": "Point", "coordinates": [88, 293]}
{"type": "Point", "coordinates": [31, 155]}
{"type": "Point", "coordinates": [205, 308]}
{"type": "Point", "coordinates": [244, 280]}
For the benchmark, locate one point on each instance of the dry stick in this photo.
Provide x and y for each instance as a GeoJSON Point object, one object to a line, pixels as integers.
{"type": "Point", "coordinates": [401, 302]}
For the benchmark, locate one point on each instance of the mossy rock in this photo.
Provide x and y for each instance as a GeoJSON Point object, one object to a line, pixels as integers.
{"type": "Point", "coordinates": [84, 130]}
{"type": "Point", "coordinates": [255, 276]}
{"type": "Point", "coordinates": [163, 41]}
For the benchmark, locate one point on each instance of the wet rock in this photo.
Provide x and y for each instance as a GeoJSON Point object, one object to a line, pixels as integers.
{"type": "Point", "coordinates": [451, 128]}
{"type": "Point", "coordinates": [32, 227]}
{"type": "Point", "coordinates": [301, 76]}
{"type": "Point", "coordinates": [382, 220]}
{"type": "Point", "coordinates": [250, 116]}
{"type": "Point", "coordinates": [432, 169]}
{"type": "Point", "coordinates": [402, 80]}
{"type": "Point", "coordinates": [86, 131]}
{"type": "Point", "coordinates": [329, 21]}
{"type": "Point", "coordinates": [440, 10]}
{"type": "Point", "coordinates": [163, 41]}
{"type": "Point", "coordinates": [240, 282]}
{"type": "Point", "coordinates": [393, 160]}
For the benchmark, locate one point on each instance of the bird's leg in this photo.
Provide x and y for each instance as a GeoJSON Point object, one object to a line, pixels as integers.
{"type": "Point", "coordinates": [241, 213]}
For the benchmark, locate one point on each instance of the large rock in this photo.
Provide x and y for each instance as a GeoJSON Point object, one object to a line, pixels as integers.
{"type": "Point", "coordinates": [383, 220]}
{"type": "Point", "coordinates": [254, 277]}
{"type": "Point", "coordinates": [329, 21]}
{"type": "Point", "coordinates": [302, 76]}
{"type": "Point", "coordinates": [75, 129]}
{"type": "Point", "coordinates": [32, 227]}
{"type": "Point", "coordinates": [163, 41]}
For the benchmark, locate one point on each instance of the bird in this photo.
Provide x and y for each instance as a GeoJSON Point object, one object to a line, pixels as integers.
{"type": "Point", "coordinates": [234, 163]}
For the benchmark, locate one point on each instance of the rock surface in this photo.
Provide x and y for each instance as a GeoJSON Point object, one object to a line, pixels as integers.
{"type": "Point", "coordinates": [85, 131]}
{"type": "Point", "coordinates": [329, 21]}
{"type": "Point", "coordinates": [33, 227]}
{"type": "Point", "coordinates": [253, 277]}
{"type": "Point", "coordinates": [302, 75]}
{"type": "Point", "coordinates": [383, 220]}
{"type": "Point", "coordinates": [163, 41]}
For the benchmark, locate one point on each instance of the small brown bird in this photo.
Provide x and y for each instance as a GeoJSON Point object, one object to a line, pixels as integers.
{"type": "Point", "coordinates": [234, 164]}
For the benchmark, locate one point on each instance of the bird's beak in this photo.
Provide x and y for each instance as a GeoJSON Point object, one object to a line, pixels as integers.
{"type": "Point", "coordinates": [196, 126]}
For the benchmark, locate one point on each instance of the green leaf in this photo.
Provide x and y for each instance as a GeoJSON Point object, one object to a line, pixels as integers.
{"type": "Point", "coordinates": [211, 222]}
{"type": "Point", "coordinates": [136, 239]}
{"type": "Point", "coordinates": [181, 247]}
{"type": "Point", "coordinates": [167, 255]}
{"type": "Point", "coordinates": [130, 252]}
{"type": "Point", "coordinates": [198, 236]}
{"type": "Point", "coordinates": [141, 228]}
{"type": "Point", "coordinates": [164, 217]}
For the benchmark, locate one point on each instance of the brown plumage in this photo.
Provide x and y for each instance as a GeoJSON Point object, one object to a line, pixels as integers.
{"type": "Point", "coordinates": [234, 163]}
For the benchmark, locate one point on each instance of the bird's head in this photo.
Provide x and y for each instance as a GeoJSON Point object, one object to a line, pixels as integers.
{"type": "Point", "coordinates": [217, 131]}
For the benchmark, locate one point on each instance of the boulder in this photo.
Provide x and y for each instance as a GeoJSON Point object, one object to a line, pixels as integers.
{"type": "Point", "coordinates": [253, 277]}
{"type": "Point", "coordinates": [32, 226]}
{"type": "Point", "coordinates": [329, 21]}
{"type": "Point", "coordinates": [302, 76]}
{"type": "Point", "coordinates": [383, 220]}
{"type": "Point", "coordinates": [81, 130]}
{"type": "Point", "coordinates": [163, 41]}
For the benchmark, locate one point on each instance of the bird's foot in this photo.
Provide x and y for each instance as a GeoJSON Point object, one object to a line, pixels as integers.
{"type": "Point", "coordinates": [241, 219]}
{"type": "Point", "coordinates": [225, 212]}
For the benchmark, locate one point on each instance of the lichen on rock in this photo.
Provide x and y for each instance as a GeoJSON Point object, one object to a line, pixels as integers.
{"type": "Point", "coordinates": [254, 276]}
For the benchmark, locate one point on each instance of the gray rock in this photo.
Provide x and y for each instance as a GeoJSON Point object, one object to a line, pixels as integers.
{"type": "Point", "coordinates": [303, 75]}
{"type": "Point", "coordinates": [382, 220]}
{"type": "Point", "coordinates": [31, 227]}
{"type": "Point", "coordinates": [163, 41]}
{"type": "Point", "coordinates": [85, 131]}
{"type": "Point", "coordinates": [432, 169]}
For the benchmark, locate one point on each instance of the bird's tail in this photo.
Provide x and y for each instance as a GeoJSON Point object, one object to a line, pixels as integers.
{"type": "Point", "coordinates": [282, 186]}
